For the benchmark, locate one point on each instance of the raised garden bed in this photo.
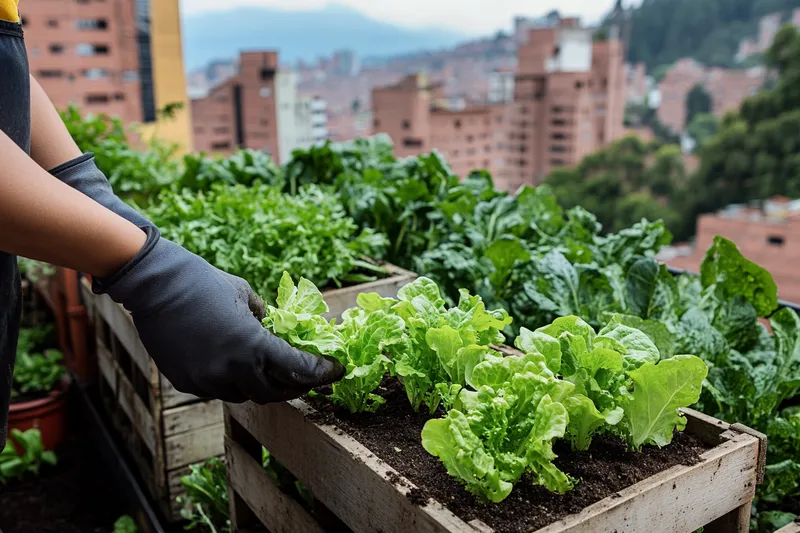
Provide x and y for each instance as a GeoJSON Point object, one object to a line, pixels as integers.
{"type": "Point", "coordinates": [165, 430]}
{"type": "Point", "coordinates": [707, 477]}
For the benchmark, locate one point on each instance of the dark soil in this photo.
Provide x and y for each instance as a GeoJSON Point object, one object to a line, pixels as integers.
{"type": "Point", "coordinates": [72, 497]}
{"type": "Point", "coordinates": [393, 434]}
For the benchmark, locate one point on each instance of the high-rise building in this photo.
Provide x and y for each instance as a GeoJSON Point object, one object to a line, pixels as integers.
{"type": "Point", "coordinates": [568, 100]}
{"type": "Point", "coordinates": [119, 57]}
{"type": "Point", "coordinates": [259, 108]}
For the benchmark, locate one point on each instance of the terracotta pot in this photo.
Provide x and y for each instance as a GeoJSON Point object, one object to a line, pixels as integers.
{"type": "Point", "coordinates": [48, 415]}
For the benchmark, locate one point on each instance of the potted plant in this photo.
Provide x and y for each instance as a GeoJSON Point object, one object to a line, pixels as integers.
{"type": "Point", "coordinates": [38, 392]}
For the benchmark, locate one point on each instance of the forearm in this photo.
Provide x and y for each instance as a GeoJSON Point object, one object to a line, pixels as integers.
{"type": "Point", "coordinates": [51, 143]}
{"type": "Point", "coordinates": [44, 219]}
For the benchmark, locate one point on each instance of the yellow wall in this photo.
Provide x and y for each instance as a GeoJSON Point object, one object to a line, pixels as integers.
{"type": "Point", "coordinates": [168, 73]}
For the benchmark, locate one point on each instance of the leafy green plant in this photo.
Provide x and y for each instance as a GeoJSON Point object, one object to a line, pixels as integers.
{"type": "Point", "coordinates": [257, 233]}
{"type": "Point", "coordinates": [35, 271]}
{"type": "Point", "coordinates": [125, 524]}
{"type": "Point", "coordinates": [205, 504]}
{"type": "Point", "coordinates": [245, 167]}
{"type": "Point", "coordinates": [15, 465]}
{"type": "Point", "coordinates": [38, 373]}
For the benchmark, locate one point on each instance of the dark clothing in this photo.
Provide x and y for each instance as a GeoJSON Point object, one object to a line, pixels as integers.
{"type": "Point", "coordinates": [15, 121]}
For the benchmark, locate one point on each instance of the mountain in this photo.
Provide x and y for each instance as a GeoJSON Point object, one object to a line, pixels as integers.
{"type": "Point", "coordinates": [663, 31]}
{"type": "Point", "coordinates": [301, 34]}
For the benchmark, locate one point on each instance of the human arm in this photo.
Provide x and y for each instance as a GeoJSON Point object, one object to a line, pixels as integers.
{"type": "Point", "coordinates": [196, 321]}
{"type": "Point", "coordinates": [44, 219]}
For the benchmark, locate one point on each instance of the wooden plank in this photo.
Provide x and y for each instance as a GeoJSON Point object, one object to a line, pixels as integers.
{"type": "Point", "coordinates": [709, 429]}
{"type": "Point", "coordinates": [88, 297]}
{"type": "Point", "coordinates": [681, 499]}
{"type": "Point", "coordinates": [121, 324]}
{"type": "Point", "coordinates": [791, 528]}
{"type": "Point", "coordinates": [340, 300]}
{"type": "Point", "coordinates": [363, 491]}
{"type": "Point", "coordinates": [191, 417]}
{"type": "Point", "coordinates": [172, 397]}
{"type": "Point", "coordinates": [106, 366]}
{"type": "Point", "coordinates": [276, 510]}
{"type": "Point", "coordinates": [176, 489]}
{"type": "Point", "coordinates": [194, 446]}
{"type": "Point", "coordinates": [736, 521]}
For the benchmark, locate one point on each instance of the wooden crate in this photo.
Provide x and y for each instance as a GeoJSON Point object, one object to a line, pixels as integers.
{"type": "Point", "coordinates": [370, 496]}
{"type": "Point", "coordinates": [791, 528]}
{"type": "Point", "coordinates": [164, 430]}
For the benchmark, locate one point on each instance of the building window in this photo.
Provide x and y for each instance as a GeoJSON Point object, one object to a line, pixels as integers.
{"type": "Point", "coordinates": [579, 85]}
{"type": "Point", "coordinates": [119, 97]}
{"type": "Point", "coordinates": [56, 49]}
{"type": "Point", "coordinates": [91, 24]}
{"type": "Point", "coordinates": [222, 129]}
{"type": "Point", "coordinates": [267, 73]}
{"type": "Point", "coordinates": [130, 75]}
{"type": "Point", "coordinates": [538, 96]}
{"type": "Point", "coordinates": [52, 23]}
{"type": "Point", "coordinates": [97, 99]}
{"type": "Point", "coordinates": [50, 74]}
{"type": "Point", "coordinates": [376, 123]}
{"type": "Point", "coordinates": [264, 122]}
{"type": "Point", "coordinates": [265, 92]}
{"type": "Point", "coordinates": [221, 146]}
{"type": "Point", "coordinates": [775, 240]}
{"type": "Point", "coordinates": [457, 124]}
{"type": "Point", "coordinates": [470, 138]}
{"type": "Point", "coordinates": [406, 125]}
{"type": "Point", "coordinates": [557, 109]}
{"type": "Point", "coordinates": [144, 45]}
{"type": "Point", "coordinates": [412, 143]}
{"type": "Point", "coordinates": [558, 137]}
{"type": "Point", "coordinates": [95, 73]}
{"type": "Point", "coordinates": [557, 162]}
{"type": "Point", "coordinates": [557, 149]}
{"type": "Point", "coordinates": [559, 122]}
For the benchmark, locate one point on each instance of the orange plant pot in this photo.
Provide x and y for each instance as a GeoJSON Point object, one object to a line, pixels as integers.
{"type": "Point", "coordinates": [48, 415]}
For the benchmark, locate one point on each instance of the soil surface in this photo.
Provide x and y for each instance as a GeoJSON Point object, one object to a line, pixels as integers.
{"type": "Point", "coordinates": [71, 497]}
{"type": "Point", "coordinates": [393, 434]}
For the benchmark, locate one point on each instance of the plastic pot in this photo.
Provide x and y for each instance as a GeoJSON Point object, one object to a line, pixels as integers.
{"type": "Point", "coordinates": [48, 415]}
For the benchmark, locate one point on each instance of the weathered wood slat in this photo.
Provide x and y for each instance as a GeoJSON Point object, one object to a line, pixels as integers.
{"type": "Point", "coordinates": [370, 496]}
{"type": "Point", "coordinates": [791, 528]}
{"type": "Point", "coordinates": [363, 491]}
{"type": "Point", "coordinates": [191, 417]}
{"type": "Point", "coordinates": [276, 510]}
{"type": "Point", "coordinates": [194, 446]}
{"type": "Point", "coordinates": [681, 499]}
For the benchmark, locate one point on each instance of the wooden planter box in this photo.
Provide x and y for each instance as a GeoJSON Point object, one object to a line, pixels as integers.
{"type": "Point", "coordinates": [165, 431]}
{"type": "Point", "coordinates": [370, 496]}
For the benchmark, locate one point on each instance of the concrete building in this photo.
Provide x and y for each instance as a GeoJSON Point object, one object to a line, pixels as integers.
{"type": "Point", "coordinates": [568, 101]}
{"type": "Point", "coordinates": [119, 57]}
{"type": "Point", "coordinates": [260, 108]}
{"type": "Point", "coordinates": [727, 88]}
{"type": "Point", "coordinates": [770, 236]}
{"type": "Point", "coordinates": [242, 111]}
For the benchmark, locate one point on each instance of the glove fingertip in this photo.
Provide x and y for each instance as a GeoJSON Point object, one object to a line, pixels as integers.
{"type": "Point", "coordinates": [256, 305]}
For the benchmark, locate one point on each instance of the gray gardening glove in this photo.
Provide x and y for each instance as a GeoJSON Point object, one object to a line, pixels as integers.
{"type": "Point", "coordinates": [199, 324]}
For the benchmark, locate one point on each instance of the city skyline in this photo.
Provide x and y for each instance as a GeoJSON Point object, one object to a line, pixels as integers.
{"type": "Point", "coordinates": [471, 17]}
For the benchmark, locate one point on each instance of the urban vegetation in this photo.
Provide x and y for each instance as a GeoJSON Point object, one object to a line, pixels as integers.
{"type": "Point", "coordinates": [664, 31]}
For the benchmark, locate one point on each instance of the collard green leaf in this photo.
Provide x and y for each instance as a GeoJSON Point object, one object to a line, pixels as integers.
{"type": "Point", "coordinates": [731, 274]}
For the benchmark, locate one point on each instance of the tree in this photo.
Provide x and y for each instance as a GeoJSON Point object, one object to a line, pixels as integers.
{"type": "Point", "coordinates": [702, 128]}
{"type": "Point", "coordinates": [660, 72]}
{"type": "Point", "coordinates": [697, 101]}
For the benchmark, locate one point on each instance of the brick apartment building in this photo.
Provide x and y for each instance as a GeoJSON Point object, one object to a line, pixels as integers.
{"type": "Point", "coordinates": [727, 88]}
{"type": "Point", "coordinates": [569, 97]}
{"type": "Point", "coordinates": [258, 108]}
{"type": "Point", "coordinates": [768, 236]}
{"type": "Point", "coordinates": [101, 56]}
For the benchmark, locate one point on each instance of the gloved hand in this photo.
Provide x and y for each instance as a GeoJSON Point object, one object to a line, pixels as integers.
{"type": "Point", "coordinates": [200, 325]}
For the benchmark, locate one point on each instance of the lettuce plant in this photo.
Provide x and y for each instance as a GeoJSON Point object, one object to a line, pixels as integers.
{"type": "Point", "coordinates": [571, 383]}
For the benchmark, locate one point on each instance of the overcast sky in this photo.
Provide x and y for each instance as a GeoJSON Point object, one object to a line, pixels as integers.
{"type": "Point", "coordinates": [467, 16]}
